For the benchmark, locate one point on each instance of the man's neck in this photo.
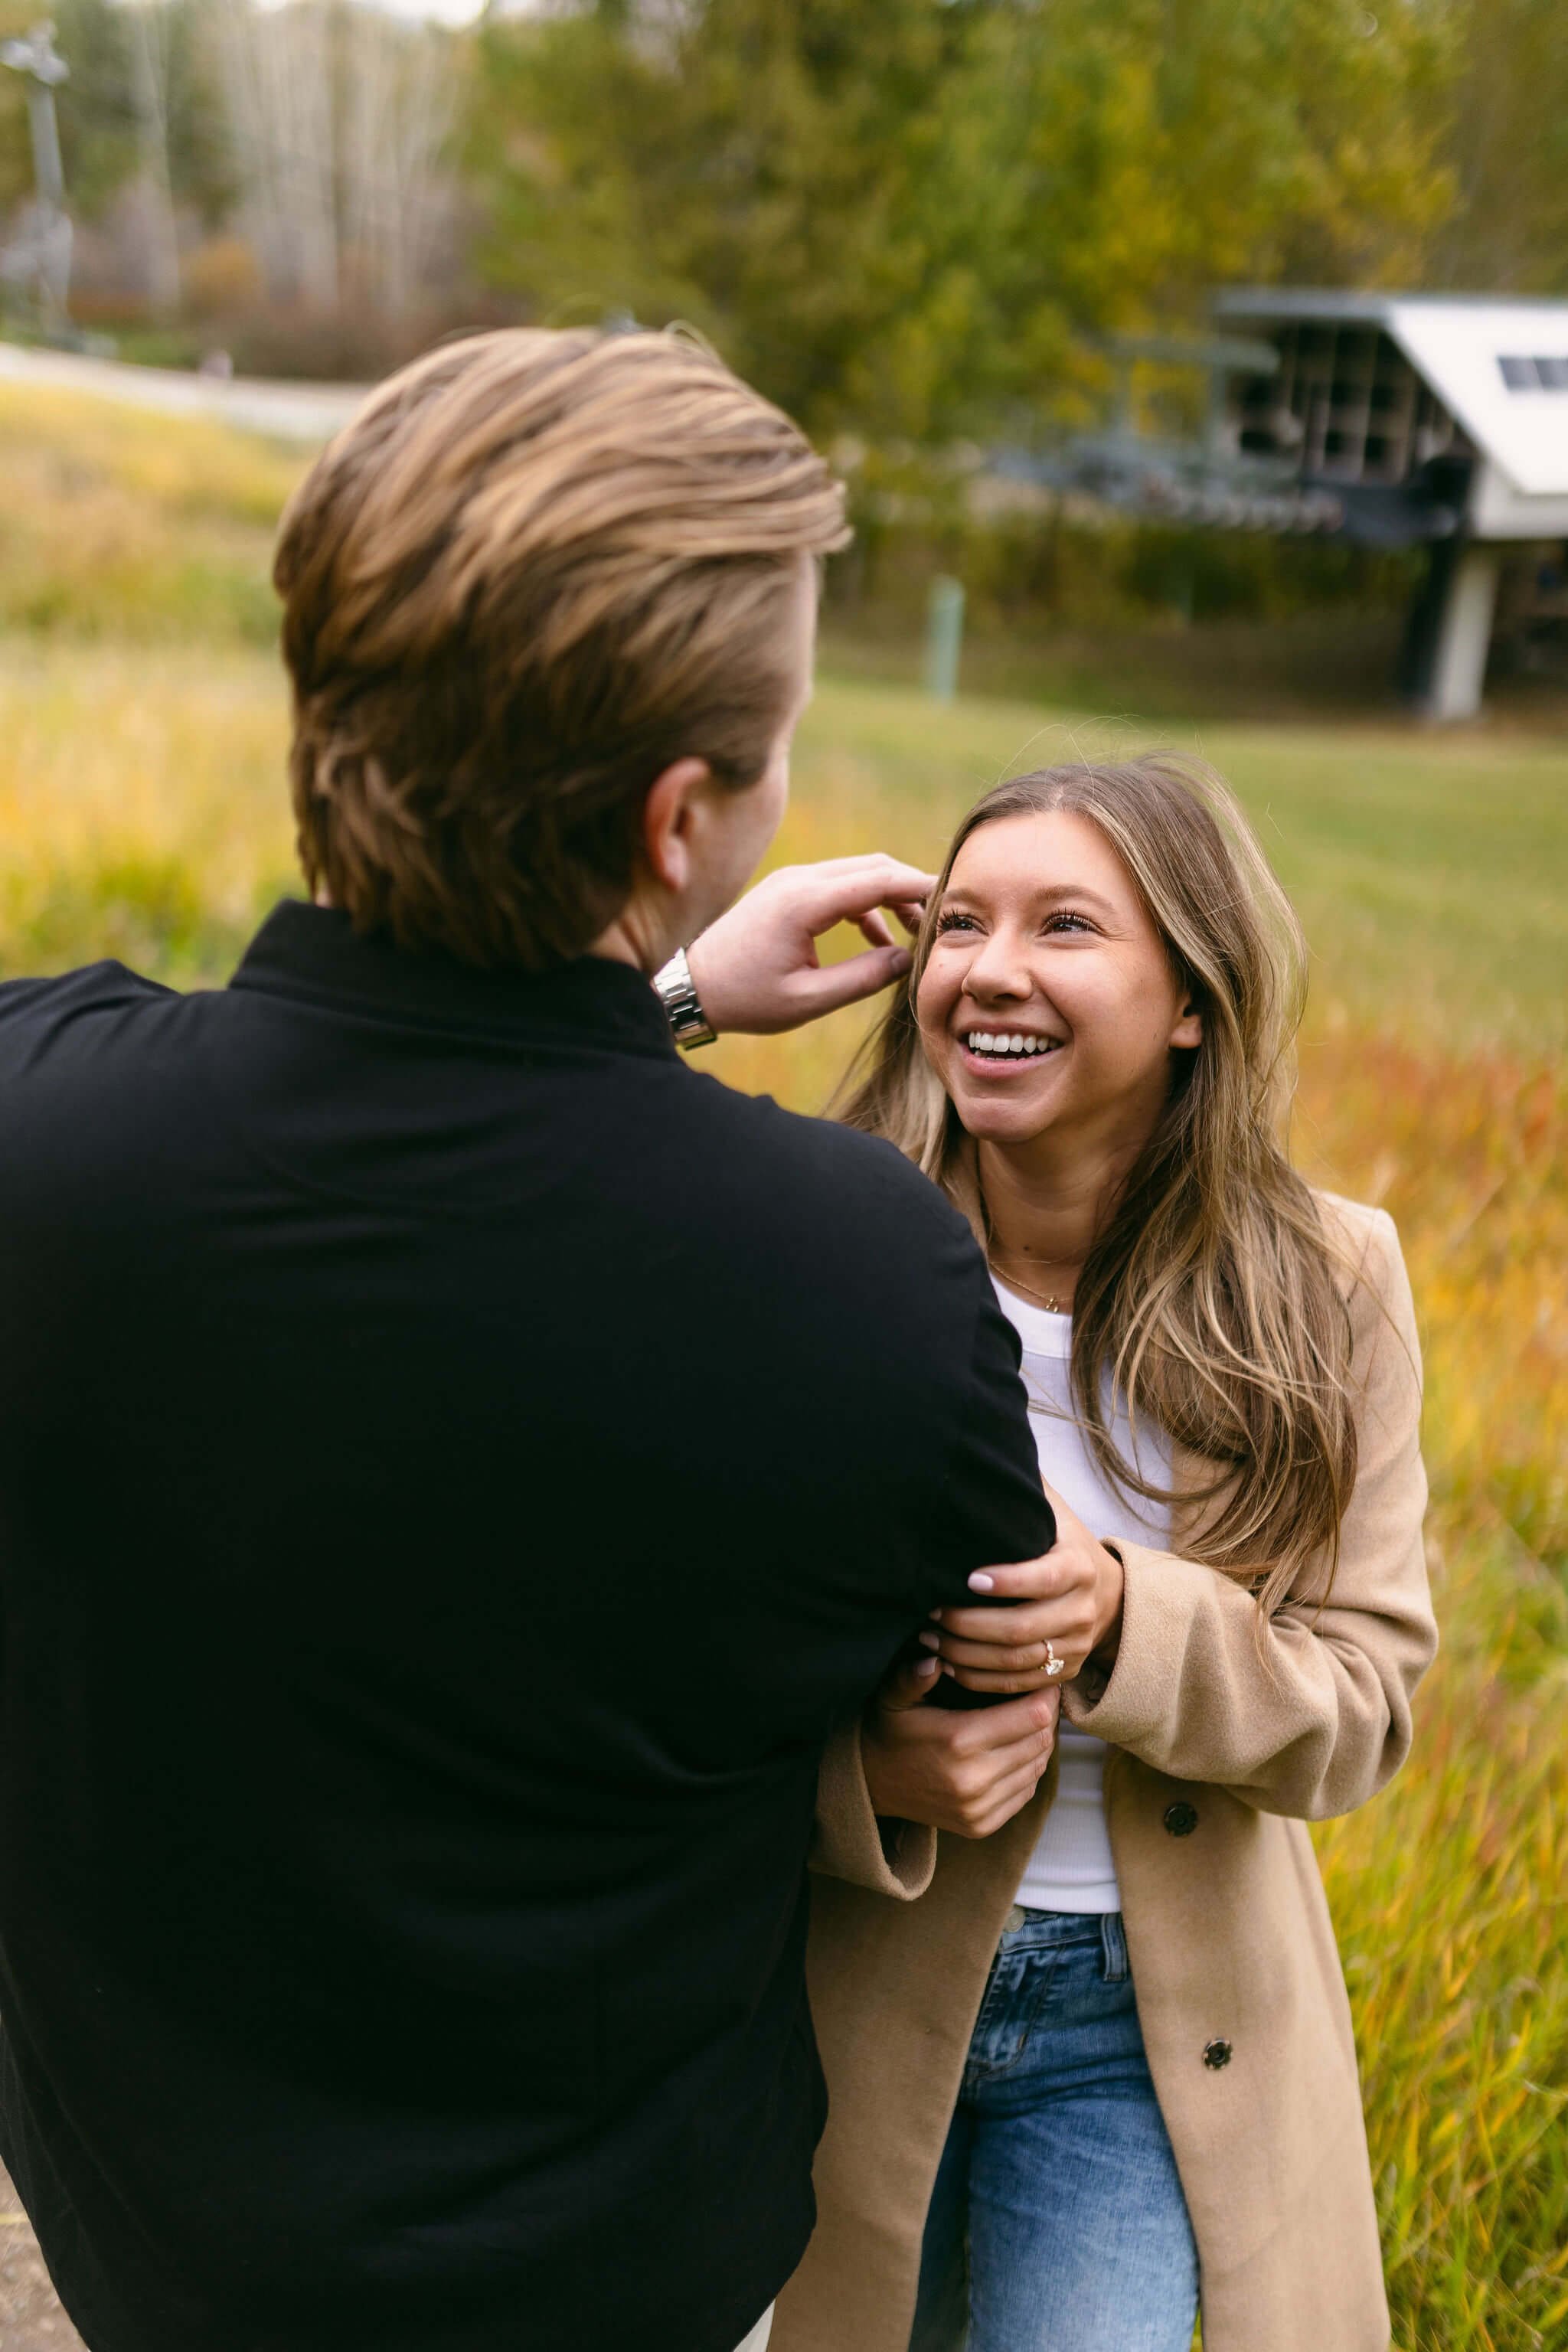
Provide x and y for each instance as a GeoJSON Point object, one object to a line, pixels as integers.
{"type": "Point", "coordinates": [636, 938]}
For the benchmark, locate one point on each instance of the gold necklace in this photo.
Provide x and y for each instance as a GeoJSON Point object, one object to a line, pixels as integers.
{"type": "Point", "coordinates": [1052, 1303]}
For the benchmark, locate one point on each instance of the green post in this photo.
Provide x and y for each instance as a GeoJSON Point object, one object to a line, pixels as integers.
{"type": "Point", "coordinates": [944, 635]}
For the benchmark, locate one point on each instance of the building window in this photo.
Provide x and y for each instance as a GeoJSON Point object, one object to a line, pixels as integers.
{"type": "Point", "coordinates": [1534, 374]}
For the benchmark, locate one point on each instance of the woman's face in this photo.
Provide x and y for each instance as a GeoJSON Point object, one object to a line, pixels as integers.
{"type": "Point", "coordinates": [1049, 1003]}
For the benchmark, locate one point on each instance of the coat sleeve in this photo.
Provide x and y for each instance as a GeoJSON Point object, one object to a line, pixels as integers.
{"type": "Point", "coordinates": [1314, 1718]}
{"type": "Point", "coordinates": [850, 1840]}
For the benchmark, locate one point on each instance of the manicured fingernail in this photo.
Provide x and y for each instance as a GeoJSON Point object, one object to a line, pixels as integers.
{"type": "Point", "coordinates": [981, 1582]}
{"type": "Point", "coordinates": [932, 1641]}
{"type": "Point", "coordinates": [949, 1670]}
{"type": "Point", "coordinates": [926, 1666]}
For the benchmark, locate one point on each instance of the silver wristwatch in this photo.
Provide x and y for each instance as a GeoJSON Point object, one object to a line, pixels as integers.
{"type": "Point", "coordinates": [689, 1025]}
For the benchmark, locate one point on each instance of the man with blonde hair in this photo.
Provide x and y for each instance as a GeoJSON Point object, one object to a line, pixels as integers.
{"type": "Point", "coordinates": [378, 1975]}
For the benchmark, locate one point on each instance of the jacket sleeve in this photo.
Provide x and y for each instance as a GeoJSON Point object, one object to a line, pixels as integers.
{"type": "Point", "coordinates": [1314, 1718]}
{"type": "Point", "coordinates": [982, 1503]}
{"type": "Point", "coordinates": [850, 1841]}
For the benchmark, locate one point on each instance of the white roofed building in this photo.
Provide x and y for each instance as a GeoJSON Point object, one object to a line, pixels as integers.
{"type": "Point", "coordinates": [1425, 417]}
{"type": "Point", "coordinates": [1389, 420]}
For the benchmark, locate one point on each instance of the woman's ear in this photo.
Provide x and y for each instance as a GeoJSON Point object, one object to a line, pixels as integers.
{"type": "Point", "coordinates": [1189, 1027]}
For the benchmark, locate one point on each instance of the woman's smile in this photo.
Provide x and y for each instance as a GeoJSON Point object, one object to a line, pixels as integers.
{"type": "Point", "coordinates": [994, 1051]}
{"type": "Point", "coordinates": [1000, 1043]}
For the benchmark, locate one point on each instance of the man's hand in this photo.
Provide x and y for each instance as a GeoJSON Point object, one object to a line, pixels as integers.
{"type": "Point", "coordinates": [1069, 1598]}
{"type": "Point", "coordinates": [755, 969]}
{"type": "Point", "coordinates": [964, 1772]}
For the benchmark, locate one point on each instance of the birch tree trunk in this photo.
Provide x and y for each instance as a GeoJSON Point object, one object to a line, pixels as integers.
{"type": "Point", "coordinates": [400, 104]}
{"type": "Point", "coordinates": [278, 82]}
{"type": "Point", "coordinates": [149, 37]}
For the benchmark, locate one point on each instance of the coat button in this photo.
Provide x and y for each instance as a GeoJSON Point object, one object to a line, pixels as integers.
{"type": "Point", "coordinates": [1181, 1820]}
{"type": "Point", "coordinates": [1216, 2055]}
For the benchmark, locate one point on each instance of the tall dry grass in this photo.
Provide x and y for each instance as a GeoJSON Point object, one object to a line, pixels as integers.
{"type": "Point", "coordinates": [117, 524]}
{"type": "Point", "coordinates": [1450, 1894]}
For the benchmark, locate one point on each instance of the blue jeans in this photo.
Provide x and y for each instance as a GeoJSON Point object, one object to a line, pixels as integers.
{"type": "Point", "coordinates": [1057, 2222]}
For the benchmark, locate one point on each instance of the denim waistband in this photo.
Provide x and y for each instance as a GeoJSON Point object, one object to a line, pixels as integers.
{"type": "Point", "coordinates": [1059, 1930]}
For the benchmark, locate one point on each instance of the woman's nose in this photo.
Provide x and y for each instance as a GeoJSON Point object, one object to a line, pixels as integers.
{"type": "Point", "coordinates": [999, 969]}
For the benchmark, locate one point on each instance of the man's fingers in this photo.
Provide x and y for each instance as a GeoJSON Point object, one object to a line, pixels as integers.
{"type": "Point", "coordinates": [844, 889]}
{"type": "Point", "coordinates": [846, 984]}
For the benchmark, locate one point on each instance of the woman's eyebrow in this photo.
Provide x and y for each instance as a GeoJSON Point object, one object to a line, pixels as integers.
{"type": "Point", "coordinates": [1056, 890]}
{"type": "Point", "coordinates": [1048, 894]}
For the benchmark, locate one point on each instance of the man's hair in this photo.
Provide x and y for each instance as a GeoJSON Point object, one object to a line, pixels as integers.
{"type": "Point", "coordinates": [536, 569]}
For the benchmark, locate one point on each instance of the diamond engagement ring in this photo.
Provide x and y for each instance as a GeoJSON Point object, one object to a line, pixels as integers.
{"type": "Point", "coordinates": [1054, 1665]}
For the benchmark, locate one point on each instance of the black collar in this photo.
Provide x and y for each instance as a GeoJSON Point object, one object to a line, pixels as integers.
{"type": "Point", "coordinates": [314, 953]}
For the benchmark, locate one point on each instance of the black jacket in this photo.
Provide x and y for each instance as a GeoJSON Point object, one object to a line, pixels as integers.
{"type": "Point", "coordinates": [456, 1464]}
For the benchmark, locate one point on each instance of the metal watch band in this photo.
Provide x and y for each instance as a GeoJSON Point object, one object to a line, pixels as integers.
{"type": "Point", "coordinates": [689, 1025]}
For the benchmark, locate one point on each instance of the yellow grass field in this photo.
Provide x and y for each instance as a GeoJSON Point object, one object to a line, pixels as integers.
{"type": "Point", "coordinates": [143, 814]}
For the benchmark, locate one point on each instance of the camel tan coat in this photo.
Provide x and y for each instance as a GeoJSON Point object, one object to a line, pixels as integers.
{"type": "Point", "coordinates": [1228, 1930]}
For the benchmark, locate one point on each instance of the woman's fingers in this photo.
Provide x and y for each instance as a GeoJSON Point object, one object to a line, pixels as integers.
{"type": "Point", "coordinates": [1062, 1631]}
{"type": "Point", "coordinates": [1007, 1798]}
{"type": "Point", "coordinates": [1004, 1629]}
{"type": "Point", "coordinates": [999, 1658]}
{"type": "Point", "coordinates": [1004, 1686]}
{"type": "Point", "coordinates": [1069, 1626]}
{"type": "Point", "coordinates": [909, 1682]}
{"type": "Point", "coordinates": [992, 1742]}
{"type": "Point", "coordinates": [1027, 1580]}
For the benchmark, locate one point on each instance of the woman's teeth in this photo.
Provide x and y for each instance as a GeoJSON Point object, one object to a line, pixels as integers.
{"type": "Point", "coordinates": [984, 1041]}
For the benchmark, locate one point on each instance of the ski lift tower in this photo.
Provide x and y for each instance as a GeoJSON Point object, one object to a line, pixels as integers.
{"type": "Point", "coordinates": [39, 256]}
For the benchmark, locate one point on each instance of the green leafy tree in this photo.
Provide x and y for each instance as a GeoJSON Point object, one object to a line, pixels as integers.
{"type": "Point", "coordinates": [905, 217]}
{"type": "Point", "coordinates": [1508, 229]}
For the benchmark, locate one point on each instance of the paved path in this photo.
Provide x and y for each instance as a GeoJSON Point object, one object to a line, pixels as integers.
{"type": "Point", "coordinates": [30, 2318]}
{"type": "Point", "coordinates": [289, 412]}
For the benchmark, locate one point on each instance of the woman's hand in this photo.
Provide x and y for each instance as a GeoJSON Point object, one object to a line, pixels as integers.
{"type": "Point", "coordinates": [964, 1771]}
{"type": "Point", "coordinates": [1071, 1598]}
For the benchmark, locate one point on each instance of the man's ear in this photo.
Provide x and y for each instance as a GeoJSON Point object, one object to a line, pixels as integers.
{"type": "Point", "coordinates": [1189, 1028]}
{"type": "Point", "coordinates": [671, 814]}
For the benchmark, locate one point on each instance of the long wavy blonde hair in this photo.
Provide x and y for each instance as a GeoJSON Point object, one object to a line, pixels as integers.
{"type": "Point", "coordinates": [1208, 1302]}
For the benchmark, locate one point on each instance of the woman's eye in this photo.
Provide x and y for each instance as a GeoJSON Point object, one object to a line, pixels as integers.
{"type": "Point", "coordinates": [953, 922]}
{"type": "Point", "coordinates": [1064, 919]}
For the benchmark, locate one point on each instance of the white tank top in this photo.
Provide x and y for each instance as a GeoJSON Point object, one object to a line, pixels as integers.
{"type": "Point", "coordinates": [1071, 1868]}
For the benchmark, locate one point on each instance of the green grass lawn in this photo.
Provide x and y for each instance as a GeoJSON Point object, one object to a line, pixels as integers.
{"type": "Point", "coordinates": [142, 801]}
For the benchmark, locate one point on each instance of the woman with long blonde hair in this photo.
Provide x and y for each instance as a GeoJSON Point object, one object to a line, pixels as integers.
{"type": "Point", "coordinates": [1101, 2068]}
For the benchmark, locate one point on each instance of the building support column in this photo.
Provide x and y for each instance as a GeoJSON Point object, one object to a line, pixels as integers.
{"type": "Point", "coordinates": [1443, 665]}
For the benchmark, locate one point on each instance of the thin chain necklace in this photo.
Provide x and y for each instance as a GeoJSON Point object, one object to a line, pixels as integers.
{"type": "Point", "coordinates": [1052, 1303]}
